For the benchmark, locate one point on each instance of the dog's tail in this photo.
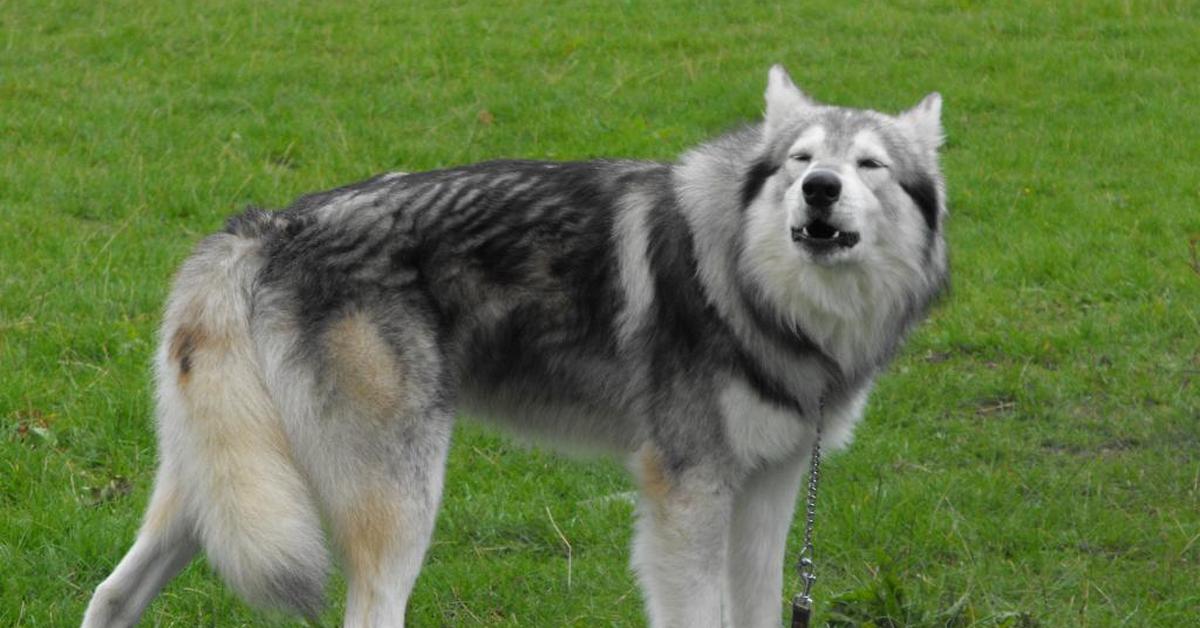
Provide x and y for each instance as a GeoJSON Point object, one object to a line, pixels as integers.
{"type": "Point", "coordinates": [221, 437]}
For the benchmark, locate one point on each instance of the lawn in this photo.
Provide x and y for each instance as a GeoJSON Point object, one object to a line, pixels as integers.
{"type": "Point", "coordinates": [1032, 458]}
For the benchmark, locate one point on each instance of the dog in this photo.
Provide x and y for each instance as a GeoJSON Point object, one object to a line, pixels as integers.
{"type": "Point", "coordinates": [699, 319]}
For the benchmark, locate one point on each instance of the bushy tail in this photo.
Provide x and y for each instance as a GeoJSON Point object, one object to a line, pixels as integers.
{"type": "Point", "coordinates": [222, 439]}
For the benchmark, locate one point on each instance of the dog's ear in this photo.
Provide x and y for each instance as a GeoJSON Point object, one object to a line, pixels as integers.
{"type": "Point", "coordinates": [783, 97]}
{"type": "Point", "coordinates": [925, 121]}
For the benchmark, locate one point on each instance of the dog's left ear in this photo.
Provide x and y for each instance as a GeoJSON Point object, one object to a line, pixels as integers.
{"type": "Point", "coordinates": [925, 121]}
{"type": "Point", "coordinates": [783, 97]}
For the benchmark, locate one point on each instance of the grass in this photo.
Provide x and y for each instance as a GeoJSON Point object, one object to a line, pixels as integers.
{"type": "Point", "coordinates": [1031, 458]}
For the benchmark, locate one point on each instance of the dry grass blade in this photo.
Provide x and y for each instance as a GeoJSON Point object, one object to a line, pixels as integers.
{"type": "Point", "coordinates": [566, 544]}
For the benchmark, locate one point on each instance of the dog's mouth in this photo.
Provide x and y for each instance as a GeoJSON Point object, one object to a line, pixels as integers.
{"type": "Point", "coordinates": [819, 236]}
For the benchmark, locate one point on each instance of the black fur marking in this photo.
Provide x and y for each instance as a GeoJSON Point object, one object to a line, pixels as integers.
{"type": "Point", "coordinates": [756, 177]}
{"type": "Point", "coordinates": [686, 326]}
{"type": "Point", "coordinates": [795, 340]}
{"type": "Point", "coordinates": [503, 258]}
{"type": "Point", "coordinates": [686, 340]}
{"type": "Point", "coordinates": [798, 345]}
{"type": "Point", "coordinates": [764, 385]}
{"type": "Point", "coordinates": [547, 271]}
{"type": "Point", "coordinates": [923, 192]}
{"type": "Point", "coordinates": [681, 309]}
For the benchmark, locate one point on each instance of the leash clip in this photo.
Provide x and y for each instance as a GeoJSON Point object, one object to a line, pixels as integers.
{"type": "Point", "coordinates": [801, 611]}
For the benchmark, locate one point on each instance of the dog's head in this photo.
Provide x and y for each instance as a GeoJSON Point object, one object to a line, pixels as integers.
{"type": "Point", "coordinates": [843, 212]}
{"type": "Point", "coordinates": [851, 184]}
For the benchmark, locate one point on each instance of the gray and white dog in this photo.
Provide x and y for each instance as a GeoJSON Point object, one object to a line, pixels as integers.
{"type": "Point", "coordinates": [698, 318]}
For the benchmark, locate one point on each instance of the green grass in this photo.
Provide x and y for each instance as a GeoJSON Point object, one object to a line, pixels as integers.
{"type": "Point", "coordinates": [1033, 457]}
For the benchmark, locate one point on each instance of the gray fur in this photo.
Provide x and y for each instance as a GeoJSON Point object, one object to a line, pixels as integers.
{"type": "Point", "coordinates": [640, 308]}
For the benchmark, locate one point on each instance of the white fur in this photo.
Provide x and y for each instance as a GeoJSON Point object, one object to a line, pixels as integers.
{"type": "Point", "coordinates": [762, 515]}
{"type": "Point", "coordinates": [225, 480]}
{"type": "Point", "coordinates": [762, 433]}
{"type": "Point", "coordinates": [924, 122]}
{"type": "Point", "coordinates": [682, 538]}
{"type": "Point", "coordinates": [638, 286]}
{"type": "Point", "coordinates": [783, 98]}
{"type": "Point", "coordinates": [776, 444]}
{"type": "Point", "coordinates": [846, 304]}
{"type": "Point", "coordinates": [759, 431]}
{"type": "Point", "coordinates": [252, 509]}
{"type": "Point", "coordinates": [679, 553]}
{"type": "Point", "coordinates": [350, 457]}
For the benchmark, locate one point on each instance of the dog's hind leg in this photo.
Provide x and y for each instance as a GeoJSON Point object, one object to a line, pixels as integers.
{"type": "Point", "coordinates": [383, 521]}
{"type": "Point", "coordinates": [680, 544]}
{"type": "Point", "coordinates": [375, 453]}
{"type": "Point", "coordinates": [164, 546]}
{"type": "Point", "coordinates": [762, 514]}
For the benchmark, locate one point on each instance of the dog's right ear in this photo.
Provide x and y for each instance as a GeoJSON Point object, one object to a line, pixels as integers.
{"type": "Point", "coordinates": [783, 97]}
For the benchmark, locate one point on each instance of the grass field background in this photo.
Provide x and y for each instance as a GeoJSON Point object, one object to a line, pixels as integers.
{"type": "Point", "coordinates": [1033, 457]}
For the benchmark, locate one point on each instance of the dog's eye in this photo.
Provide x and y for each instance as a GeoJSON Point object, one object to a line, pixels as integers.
{"type": "Point", "coordinates": [870, 164]}
{"type": "Point", "coordinates": [802, 157]}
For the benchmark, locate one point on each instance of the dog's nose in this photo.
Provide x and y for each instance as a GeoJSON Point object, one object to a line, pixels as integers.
{"type": "Point", "coordinates": [821, 188]}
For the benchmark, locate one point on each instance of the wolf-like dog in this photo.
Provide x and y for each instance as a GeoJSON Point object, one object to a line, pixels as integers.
{"type": "Point", "coordinates": [698, 318]}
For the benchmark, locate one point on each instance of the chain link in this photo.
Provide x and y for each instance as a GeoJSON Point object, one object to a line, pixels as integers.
{"type": "Point", "coordinates": [802, 604]}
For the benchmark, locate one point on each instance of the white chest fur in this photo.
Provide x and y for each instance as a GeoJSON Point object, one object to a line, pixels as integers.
{"type": "Point", "coordinates": [761, 432]}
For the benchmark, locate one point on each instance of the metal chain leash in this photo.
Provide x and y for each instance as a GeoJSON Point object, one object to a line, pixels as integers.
{"type": "Point", "coordinates": [802, 603]}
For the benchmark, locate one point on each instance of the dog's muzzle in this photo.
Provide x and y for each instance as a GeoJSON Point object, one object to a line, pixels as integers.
{"type": "Point", "coordinates": [822, 189]}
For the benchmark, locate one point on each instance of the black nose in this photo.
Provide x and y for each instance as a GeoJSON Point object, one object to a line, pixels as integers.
{"type": "Point", "coordinates": [821, 188]}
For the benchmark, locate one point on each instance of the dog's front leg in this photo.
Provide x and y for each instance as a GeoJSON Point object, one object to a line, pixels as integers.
{"type": "Point", "coordinates": [762, 514]}
{"type": "Point", "coordinates": [680, 544]}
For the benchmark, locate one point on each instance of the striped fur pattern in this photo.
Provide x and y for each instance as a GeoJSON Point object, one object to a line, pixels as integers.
{"type": "Point", "coordinates": [690, 317]}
